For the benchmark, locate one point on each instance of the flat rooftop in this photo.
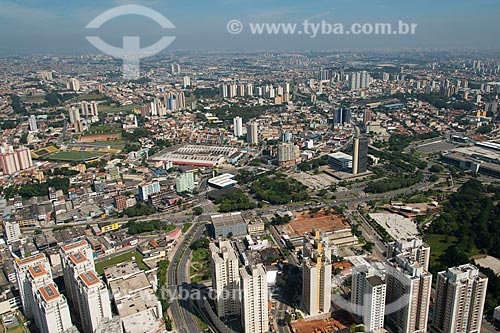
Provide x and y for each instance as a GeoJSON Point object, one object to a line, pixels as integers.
{"type": "Point", "coordinates": [121, 270]}
{"type": "Point", "coordinates": [90, 278]}
{"type": "Point", "coordinates": [49, 292]}
{"type": "Point", "coordinates": [146, 321]}
{"type": "Point", "coordinates": [227, 219]}
{"type": "Point", "coordinates": [74, 246]}
{"type": "Point", "coordinates": [37, 271]}
{"type": "Point", "coordinates": [375, 281]}
{"type": "Point", "coordinates": [129, 285]}
{"type": "Point", "coordinates": [396, 225]}
{"type": "Point", "coordinates": [341, 156]}
{"type": "Point", "coordinates": [137, 303]}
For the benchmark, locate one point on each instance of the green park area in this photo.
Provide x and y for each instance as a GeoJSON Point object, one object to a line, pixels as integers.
{"type": "Point", "coordinates": [99, 266]}
{"type": "Point", "coordinates": [439, 245]}
{"type": "Point", "coordinates": [199, 270]}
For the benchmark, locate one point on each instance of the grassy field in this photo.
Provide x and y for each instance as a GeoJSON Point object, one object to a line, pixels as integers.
{"type": "Point", "coordinates": [439, 244]}
{"type": "Point", "coordinates": [99, 267]}
{"type": "Point", "coordinates": [113, 144]}
{"type": "Point", "coordinates": [73, 156]}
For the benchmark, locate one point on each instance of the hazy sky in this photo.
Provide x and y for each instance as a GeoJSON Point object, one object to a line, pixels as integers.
{"type": "Point", "coordinates": [59, 25]}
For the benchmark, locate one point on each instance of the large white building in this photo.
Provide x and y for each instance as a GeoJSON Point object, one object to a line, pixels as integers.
{"type": "Point", "coordinates": [185, 182]}
{"type": "Point", "coordinates": [40, 297]}
{"type": "Point", "coordinates": [287, 153]}
{"type": "Point", "coordinates": [238, 126]}
{"type": "Point", "coordinates": [225, 278]}
{"type": "Point", "coordinates": [254, 307]}
{"type": "Point", "coordinates": [368, 297]}
{"type": "Point", "coordinates": [460, 297]}
{"type": "Point", "coordinates": [145, 190]}
{"type": "Point", "coordinates": [11, 231]}
{"type": "Point", "coordinates": [52, 315]}
{"type": "Point", "coordinates": [316, 274]}
{"type": "Point", "coordinates": [22, 268]}
{"type": "Point", "coordinates": [32, 123]}
{"type": "Point", "coordinates": [408, 295]}
{"type": "Point", "coordinates": [94, 305]}
{"type": "Point", "coordinates": [76, 258]}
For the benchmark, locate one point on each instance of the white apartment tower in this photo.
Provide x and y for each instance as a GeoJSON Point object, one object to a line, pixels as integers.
{"type": "Point", "coordinates": [76, 258]}
{"type": "Point", "coordinates": [32, 123]}
{"type": "Point", "coordinates": [94, 305]}
{"type": "Point", "coordinates": [368, 297]}
{"type": "Point", "coordinates": [254, 311]}
{"type": "Point", "coordinates": [413, 246]}
{"type": "Point", "coordinates": [11, 231]}
{"type": "Point", "coordinates": [408, 295]}
{"type": "Point", "coordinates": [460, 297]}
{"type": "Point", "coordinates": [74, 115]}
{"type": "Point", "coordinates": [316, 274]}
{"type": "Point", "coordinates": [52, 315]}
{"type": "Point", "coordinates": [22, 268]}
{"type": "Point", "coordinates": [225, 278]}
{"type": "Point", "coordinates": [238, 126]}
{"type": "Point", "coordinates": [252, 133]}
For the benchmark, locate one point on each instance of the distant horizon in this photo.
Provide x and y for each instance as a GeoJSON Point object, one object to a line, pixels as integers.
{"type": "Point", "coordinates": [246, 51]}
{"type": "Point", "coordinates": [56, 26]}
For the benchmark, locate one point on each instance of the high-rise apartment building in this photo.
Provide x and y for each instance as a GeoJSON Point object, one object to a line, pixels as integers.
{"type": "Point", "coordinates": [11, 231]}
{"type": "Point", "coordinates": [185, 182]}
{"type": "Point", "coordinates": [225, 278]}
{"type": "Point", "coordinates": [14, 160]}
{"type": "Point", "coordinates": [460, 297]}
{"type": "Point", "coordinates": [359, 80]}
{"type": "Point", "coordinates": [254, 307]}
{"type": "Point", "coordinates": [84, 288]}
{"type": "Point", "coordinates": [316, 274]}
{"type": "Point", "coordinates": [76, 258]}
{"type": "Point", "coordinates": [408, 295]}
{"type": "Point", "coordinates": [40, 297]}
{"type": "Point", "coordinates": [145, 190]}
{"type": "Point", "coordinates": [94, 305]}
{"type": "Point", "coordinates": [368, 297]}
{"type": "Point", "coordinates": [415, 247]}
{"type": "Point", "coordinates": [287, 153]}
{"type": "Point", "coordinates": [74, 115]}
{"type": "Point", "coordinates": [24, 158]}
{"type": "Point", "coordinates": [32, 123]}
{"type": "Point", "coordinates": [252, 133]}
{"type": "Point", "coordinates": [238, 127]}
{"type": "Point", "coordinates": [73, 84]}
{"type": "Point", "coordinates": [23, 268]}
{"type": "Point", "coordinates": [52, 315]}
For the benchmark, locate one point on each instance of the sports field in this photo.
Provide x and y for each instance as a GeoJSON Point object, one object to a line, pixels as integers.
{"type": "Point", "coordinates": [73, 156]}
